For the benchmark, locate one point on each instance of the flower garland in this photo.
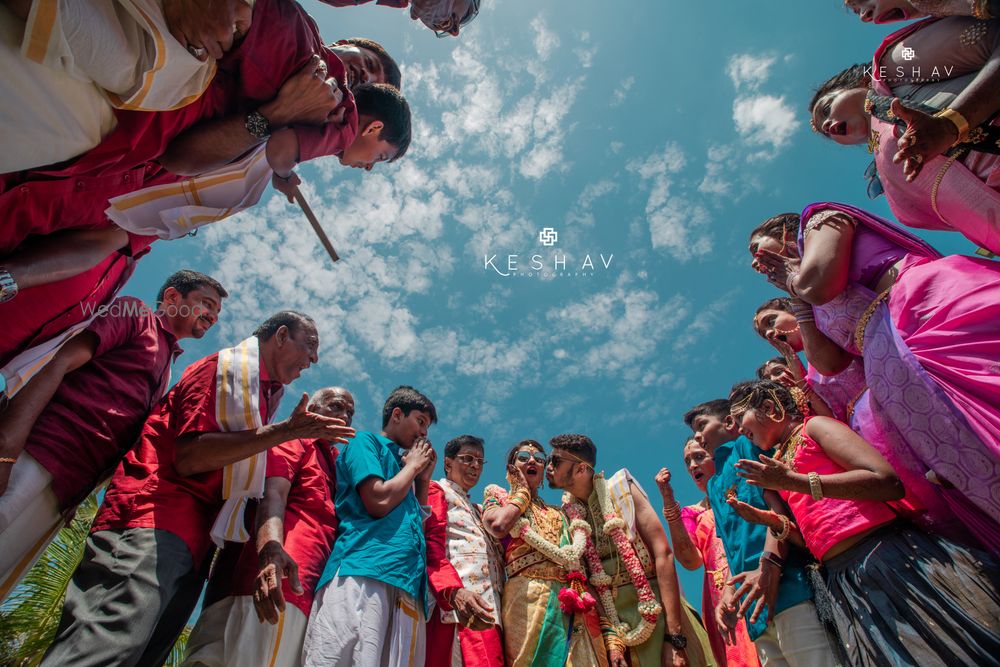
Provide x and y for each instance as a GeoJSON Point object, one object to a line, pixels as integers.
{"type": "Point", "coordinates": [574, 597]}
{"type": "Point", "coordinates": [615, 528]}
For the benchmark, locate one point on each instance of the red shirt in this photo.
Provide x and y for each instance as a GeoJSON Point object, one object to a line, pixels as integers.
{"type": "Point", "coordinates": [351, 3]}
{"type": "Point", "coordinates": [310, 524]}
{"type": "Point", "coordinates": [441, 574]}
{"type": "Point", "coordinates": [98, 411]}
{"type": "Point", "coordinates": [41, 313]}
{"type": "Point", "coordinates": [74, 194]}
{"type": "Point", "coordinates": [146, 490]}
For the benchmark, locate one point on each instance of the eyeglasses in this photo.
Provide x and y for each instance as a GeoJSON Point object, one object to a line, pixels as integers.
{"type": "Point", "coordinates": [524, 457]}
{"type": "Point", "coordinates": [447, 27]}
{"type": "Point", "coordinates": [556, 460]}
{"type": "Point", "coordinates": [469, 459]}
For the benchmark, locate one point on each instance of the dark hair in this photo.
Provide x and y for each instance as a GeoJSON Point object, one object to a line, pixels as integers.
{"type": "Point", "coordinates": [393, 77]}
{"type": "Point", "coordinates": [292, 319]}
{"type": "Point", "coordinates": [524, 443]}
{"type": "Point", "coordinates": [455, 445]}
{"type": "Point", "coordinates": [380, 101]}
{"type": "Point", "coordinates": [762, 369]}
{"type": "Point", "coordinates": [407, 399]}
{"type": "Point", "coordinates": [855, 76]}
{"type": "Point", "coordinates": [753, 393]}
{"type": "Point", "coordinates": [579, 445]}
{"type": "Point", "coordinates": [716, 408]}
{"type": "Point", "coordinates": [782, 303]}
{"type": "Point", "coordinates": [783, 227]}
{"type": "Point", "coordinates": [186, 281]}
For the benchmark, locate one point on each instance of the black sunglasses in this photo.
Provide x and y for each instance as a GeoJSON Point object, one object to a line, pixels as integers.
{"type": "Point", "coordinates": [524, 457]}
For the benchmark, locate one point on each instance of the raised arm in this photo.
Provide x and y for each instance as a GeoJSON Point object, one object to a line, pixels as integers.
{"type": "Point", "coordinates": [499, 517]}
{"type": "Point", "coordinates": [381, 496]}
{"type": "Point", "coordinates": [201, 452]}
{"type": "Point", "coordinates": [685, 551]}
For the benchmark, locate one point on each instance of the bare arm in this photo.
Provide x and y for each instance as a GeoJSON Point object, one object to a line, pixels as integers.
{"type": "Point", "coordinates": [62, 255]}
{"type": "Point", "coordinates": [498, 520]}
{"type": "Point", "coordinates": [304, 98]}
{"type": "Point", "coordinates": [651, 532]}
{"type": "Point", "coordinates": [822, 353]}
{"type": "Point", "coordinates": [866, 476]}
{"type": "Point", "coordinates": [381, 496]}
{"type": "Point", "coordinates": [826, 260]}
{"type": "Point", "coordinates": [18, 419]}
{"type": "Point", "coordinates": [202, 452]}
{"type": "Point", "coordinates": [685, 550]}
{"type": "Point", "coordinates": [275, 563]}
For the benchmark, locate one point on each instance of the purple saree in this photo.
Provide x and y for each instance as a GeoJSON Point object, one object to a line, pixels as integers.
{"type": "Point", "coordinates": [931, 353]}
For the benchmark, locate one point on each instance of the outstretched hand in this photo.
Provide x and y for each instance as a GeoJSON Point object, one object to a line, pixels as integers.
{"type": "Point", "coordinates": [925, 138]}
{"type": "Point", "coordinates": [752, 514]}
{"type": "Point", "coordinates": [768, 472]}
{"type": "Point", "coordinates": [304, 424]}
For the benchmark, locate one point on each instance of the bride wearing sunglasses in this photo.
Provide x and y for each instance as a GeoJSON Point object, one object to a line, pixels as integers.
{"type": "Point", "coordinates": [543, 625]}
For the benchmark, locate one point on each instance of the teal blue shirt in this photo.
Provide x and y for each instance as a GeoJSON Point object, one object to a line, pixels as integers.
{"type": "Point", "coordinates": [744, 541]}
{"type": "Point", "coordinates": [390, 549]}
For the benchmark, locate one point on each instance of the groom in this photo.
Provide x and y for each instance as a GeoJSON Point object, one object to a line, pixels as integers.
{"type": "Point", "coordinates": [571, 468]}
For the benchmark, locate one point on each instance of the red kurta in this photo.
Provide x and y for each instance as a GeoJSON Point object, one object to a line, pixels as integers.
{"type": "Point", "coordinates": [480, 648]}
{"type": "Point", "coordinates": [98, 411]}
{"type": "Point", "coordinates": [146, 490]}
{"type": "Point", "coordinates": [310, 525]}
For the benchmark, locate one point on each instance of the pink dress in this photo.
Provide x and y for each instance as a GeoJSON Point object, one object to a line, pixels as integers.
{"type": "Point", "coordinates": [700, 525]}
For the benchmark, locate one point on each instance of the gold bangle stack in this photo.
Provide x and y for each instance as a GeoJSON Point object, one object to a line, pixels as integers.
{"type": "Point", "coordinates": [956, 119]}
{"type": "Point", "coordinates": [672, 513]}
{"type": "Point", "coordinates": [520, 499]}
{"type": "Point", "coordinates": [815, 486]}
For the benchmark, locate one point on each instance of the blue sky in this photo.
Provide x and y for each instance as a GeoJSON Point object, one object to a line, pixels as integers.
{"type": "Point", "coordinates": [656, 133]}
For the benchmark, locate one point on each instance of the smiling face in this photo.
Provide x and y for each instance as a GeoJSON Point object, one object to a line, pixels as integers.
{"type": "Point", "coordinates": [531, 463]}
{"type": "Point", "coordinates": [466, 467]}
{"type": "Point", "coordinates": [406, 429]}
{"type": "Point", "coordinates": [193, 315]}
{"type": "Point", "coordinates": [294, 351]}
{"type": "Point", "coordinates": [781, 325]}
{"type": "Point", "coordinates": [368, 148]}
{"type": "Point", "coordinates": [362, 65]}
{"type": "Point", "coordinates": [699, 463]}
{"type": "Point", "coordinates": [840, 115]}
{"type": "Point", "coordinates": [883, 11]}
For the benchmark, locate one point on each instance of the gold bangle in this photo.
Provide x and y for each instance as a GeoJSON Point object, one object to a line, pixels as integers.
{"type": "Point", "coordinates": [672, 513]}
{"type": "Point", "coordinates": [786, 529]}
{"type": "Point", "coordinates": [956, 119]}
{"type": "Point", "coordinates": [8, 459]}
{"type": "Point", "coordinates": [815, 486]}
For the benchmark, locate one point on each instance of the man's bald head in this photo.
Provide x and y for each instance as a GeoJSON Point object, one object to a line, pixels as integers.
{"type": "Point", "coordinates": [336, 402]}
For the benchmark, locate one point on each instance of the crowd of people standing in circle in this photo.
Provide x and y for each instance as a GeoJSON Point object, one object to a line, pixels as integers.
{"type": "Point", "coordinates": [851, 512]}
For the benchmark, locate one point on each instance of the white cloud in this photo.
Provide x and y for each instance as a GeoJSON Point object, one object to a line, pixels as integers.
{"type": "Point", "coordinates": [546, 41]}
{"type": "Point", "coordinates": [581, 212]}
{"type": "Point", "coordinates": [749, 71]}
{"type": "Point", "coordinates": [618, 97]}
{"type": "Point", "coordinates": [765, 120]}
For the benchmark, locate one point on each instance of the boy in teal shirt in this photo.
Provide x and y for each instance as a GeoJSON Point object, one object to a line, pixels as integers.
{"type": "Point", "coordinates": [370, 605]}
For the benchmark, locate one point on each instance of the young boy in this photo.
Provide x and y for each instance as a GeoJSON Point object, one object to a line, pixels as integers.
{"type": "Point", "coordinates": [781, 618]}
{"type": "Point", "coordinates": [371, 600]}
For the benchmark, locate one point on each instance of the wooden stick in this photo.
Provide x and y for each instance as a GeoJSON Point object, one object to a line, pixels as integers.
{"type": "Point", "coordinates": [311, 217]}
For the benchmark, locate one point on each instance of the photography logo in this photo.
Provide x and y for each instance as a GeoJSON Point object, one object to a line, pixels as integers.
{"type": "Point", "coordinates": [557, 264]}
{"type": "Point", "coordinates": [908, 53]}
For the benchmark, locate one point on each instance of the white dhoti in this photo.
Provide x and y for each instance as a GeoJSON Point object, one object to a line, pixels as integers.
{"type": "Point", "coordinates": [46, 115]}
{"type": "Point", "coordinates": [361, 622]}
{"type": "Point", "coordinates": [228, 634]}
{"type": "Point", "coordinates": [29, 520]}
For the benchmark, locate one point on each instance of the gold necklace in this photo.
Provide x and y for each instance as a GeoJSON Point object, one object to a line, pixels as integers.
{"type": "Point", "coordinates": [788, 448]}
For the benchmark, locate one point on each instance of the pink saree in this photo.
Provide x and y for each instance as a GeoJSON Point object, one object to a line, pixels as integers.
{"type": "Point", "coordinates": [932, 362]}
{"type": "Point", "coordinates": [700, 525]}
{"type": "Point", "coordinates": [952, 194]}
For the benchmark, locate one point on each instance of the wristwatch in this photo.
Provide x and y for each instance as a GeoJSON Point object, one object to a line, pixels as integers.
{"type": "Point", "coordinates": [258, 125]}
{"type": "Point", "coordinates": [8, 286]}
{"type": "Point", "coordinates": [677, 641]}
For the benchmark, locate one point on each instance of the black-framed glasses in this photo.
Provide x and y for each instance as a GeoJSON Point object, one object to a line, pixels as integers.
{"type": "Point", "coordinates": [524, 457]}
{"type": "Point", "coordinates": [447, 28]}
{"type": "Point", "coordinates": [469, 459]}
{"type": "Point", "coordinates": [556, 460]}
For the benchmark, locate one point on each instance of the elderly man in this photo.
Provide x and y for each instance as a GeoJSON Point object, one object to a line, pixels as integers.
{"type": "Point", "coordinates": [464, 566]}
{"type": "Point", "coordinates": [246, 621]}
{"type": "Point", "coordinates": [444, 17]}
{"type": "Point", "coordinates": [71, 424]}
{"type": "Point", "coordinates": [200, 458]}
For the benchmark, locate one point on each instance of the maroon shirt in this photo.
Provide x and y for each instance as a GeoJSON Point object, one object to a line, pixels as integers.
{"type": "Point", "coordinates": [146, 490]}
{"type": "Point", "coordinates": [310, 525]}
{"type": "Point", "coordinates": [98, 411]}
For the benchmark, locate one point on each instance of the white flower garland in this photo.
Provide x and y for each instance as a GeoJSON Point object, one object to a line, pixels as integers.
{"type": "Point", "coordinates": [566, 556]}
{"type": "Point", "coordinates": [615, 528]}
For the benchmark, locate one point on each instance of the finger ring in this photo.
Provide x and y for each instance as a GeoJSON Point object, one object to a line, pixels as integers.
{"type": "Point", "coordinates": [918, 158]}
{"type": "Point", "coordinates": [196, 51]}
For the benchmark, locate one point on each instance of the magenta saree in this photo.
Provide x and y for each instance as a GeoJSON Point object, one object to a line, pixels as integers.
{"type": "Point", "coordinates": [931, 353]}
{"type": "Point", "coordinates": [954, 194]}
